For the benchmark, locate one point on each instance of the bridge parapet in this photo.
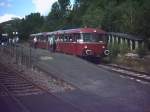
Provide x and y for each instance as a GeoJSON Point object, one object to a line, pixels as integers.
{"type": "Point", "coordinates": [133, 42]}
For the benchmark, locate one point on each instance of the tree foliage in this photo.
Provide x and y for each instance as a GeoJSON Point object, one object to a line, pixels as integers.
{"type": "Point", "coordinates": [30, 24]}
{"type": "Point", "coordinates": [129, 16]}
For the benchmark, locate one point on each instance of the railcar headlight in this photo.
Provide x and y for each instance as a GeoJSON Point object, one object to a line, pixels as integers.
{"type": "Point", "coordinates": [106, 52]}
{"type": "Point", "coordinates": [103, 47]}
{"type": "Point", "coordinates": [85, 46]}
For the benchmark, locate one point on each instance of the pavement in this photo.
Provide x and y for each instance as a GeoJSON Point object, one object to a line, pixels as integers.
{"type": "Point", "coordinates": [47, 103]}
{"type": "Point", "coordinates": [8, 105]}
{"type": "Point", "coordinates": [98, 90]}
{"type": "Point", "coordinates": [3, 106]}
{"type": "Point", "coordinates": [36, 103]}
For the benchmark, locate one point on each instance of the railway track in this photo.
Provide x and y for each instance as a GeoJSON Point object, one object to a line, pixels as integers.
{"type": "Point", "coordinates": [127, 73]}
{"type": "Point", "coordinates": [16, 84]}
{"type": "Point", "coordinates": [12, 86]}
{"type": "Point", "coordinates": [13, 98]}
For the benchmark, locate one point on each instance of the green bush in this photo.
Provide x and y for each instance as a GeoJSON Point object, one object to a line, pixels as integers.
{"type": "Point", "coordinates": [123, 48]}
{"type": "Point", "coordinates": [141, 51]}
{"type": "Point", "coordinates": [114, 51]}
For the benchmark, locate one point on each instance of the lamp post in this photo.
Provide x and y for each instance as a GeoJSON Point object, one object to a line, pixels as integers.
{"type": "Point", "coordinates": [15, 37]}
{"type": "Point", "coordinates": [15, 41]}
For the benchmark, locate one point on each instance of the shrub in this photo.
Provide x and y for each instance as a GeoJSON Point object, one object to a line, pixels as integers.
{"type": "Point", "coordinates": [141, 51]}
{"type": "Point", "coordinates": [114, 51]}
{"type": "Point", "coordinates": [123, 48]}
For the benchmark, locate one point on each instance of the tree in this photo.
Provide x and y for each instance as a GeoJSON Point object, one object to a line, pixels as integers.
{"type": "Point", "coordinates": [54, 20]}
{"type": "Point", "coordinates": [129, 10]}
{"type": "Point", "coordinates": [64, 7]}
{"type": "Point", "coordinates": [31, 24]}
{"type": "Point", "coordinates": [1, 30]}
{"type": "Point", "coordinates": [93, 17]}
{"type": "Point", "coordinates": [130, 16]}
{"type": "Point", "coordinates": [144, 20]}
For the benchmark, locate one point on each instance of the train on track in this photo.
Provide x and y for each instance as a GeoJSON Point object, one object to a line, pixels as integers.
{"type": "Point", "coordinates": [83, 42]}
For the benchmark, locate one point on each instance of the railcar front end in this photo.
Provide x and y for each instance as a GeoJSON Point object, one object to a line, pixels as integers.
{"type": "Point", "coordinates": [92, 45]}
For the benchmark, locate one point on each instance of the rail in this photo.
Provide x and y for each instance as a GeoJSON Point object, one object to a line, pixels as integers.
{"type": "Point", "coordinates": [132, 74]}
{"type": "Point", "coordinates": [13, 97]}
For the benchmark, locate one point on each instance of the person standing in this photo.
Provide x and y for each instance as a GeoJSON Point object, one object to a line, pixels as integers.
{"type": "Point", "coordinates": [54, 45]}
{"type": "Point", "coordinates": [35, 42]}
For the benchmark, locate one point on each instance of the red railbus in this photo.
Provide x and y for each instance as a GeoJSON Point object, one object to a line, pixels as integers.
{"type": "Point", "coordinates": [80, 41]}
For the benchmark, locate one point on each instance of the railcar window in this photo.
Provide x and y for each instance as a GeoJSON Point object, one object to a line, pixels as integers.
{"type": "Point", "coordinates": [61, 37]}
{"type": "Point", "coordinates": [70, 38]}
{"type": "Point", "coordinates": [90, 37]}
{"type": "Point", "coordinates": [78, 38]}
{"type": "Point", "coordinates": [73, 38]}
{"type": "Point", "coordinates": [38, 38]}
{"type": "Point", "coordinates": [66, 39]}
{"type": "Point", "coordinates": [42, 38]}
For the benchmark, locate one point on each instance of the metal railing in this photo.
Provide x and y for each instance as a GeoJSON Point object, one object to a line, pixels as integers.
{"type": "Point", "coordinates": [20, 55]}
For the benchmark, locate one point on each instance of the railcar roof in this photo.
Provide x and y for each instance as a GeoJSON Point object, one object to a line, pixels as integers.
{"type": "Point", "coordinates": [83, 30]}
{"type": "Point", "coordinates": [78, 30]}
{"type": "Point", "coordinates": [36, 34]}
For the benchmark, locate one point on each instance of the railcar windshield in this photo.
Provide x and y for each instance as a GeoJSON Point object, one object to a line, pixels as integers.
{"type": "Point", "coordinates": [94, 37]}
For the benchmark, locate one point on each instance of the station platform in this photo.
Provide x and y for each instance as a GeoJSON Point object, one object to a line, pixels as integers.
{"type": "Point", "coordinates": [7, 105]}
{"type": "Point", "coordinates": [97, 90]}
{"type": "Point", "coordinates": [4, 106]}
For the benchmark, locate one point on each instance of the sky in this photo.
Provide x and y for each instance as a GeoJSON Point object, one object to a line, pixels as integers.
{"type": "Point", "coordinates": [19, 8]}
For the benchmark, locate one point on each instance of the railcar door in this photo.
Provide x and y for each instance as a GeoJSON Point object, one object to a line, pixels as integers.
{"type": "Point", "coordinates": [52, 42]}
{"type": "Point", "coordinates": [59, 43]}
{"type": "Point", "coordinates": [58, 40]}
{"type": "Point", "coordinates": [73, 44]}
